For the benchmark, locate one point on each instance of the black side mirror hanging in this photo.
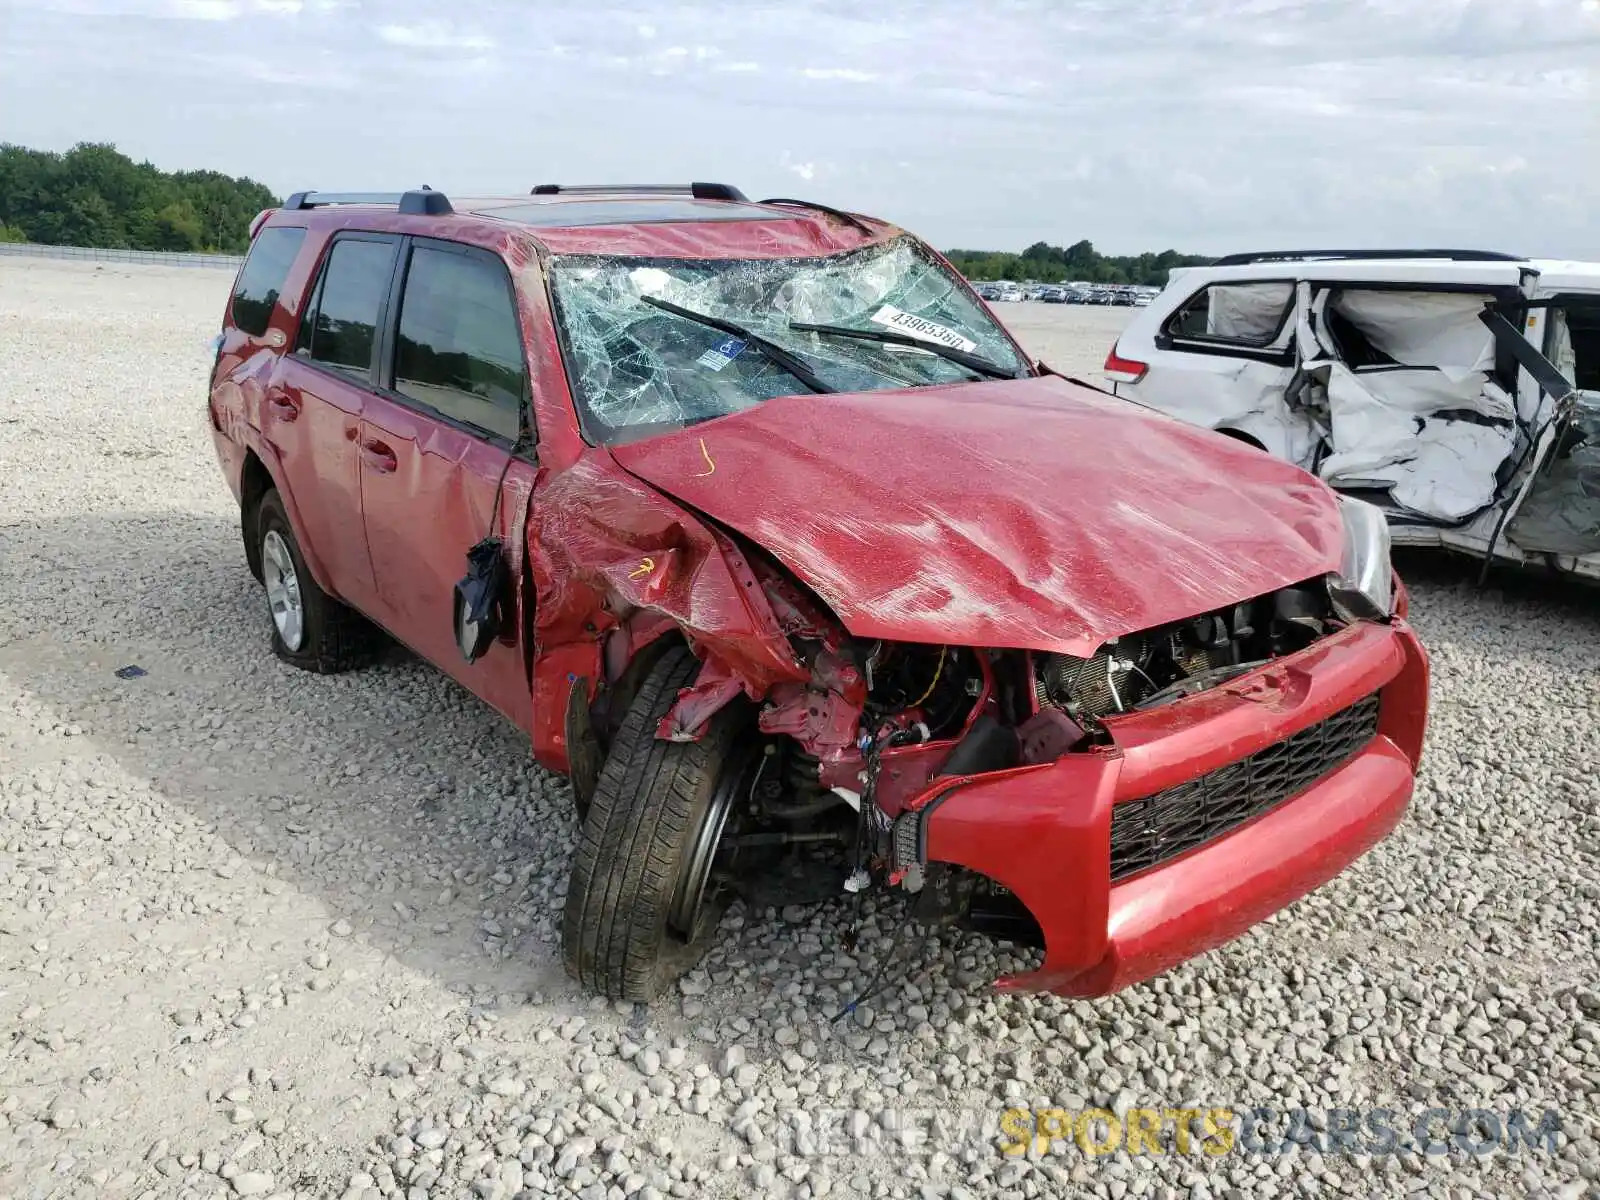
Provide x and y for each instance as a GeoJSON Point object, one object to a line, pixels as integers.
{"type": "Point", "coordinates": [478, 608]}
{"type": "Point", "coordinates": [479, 611]}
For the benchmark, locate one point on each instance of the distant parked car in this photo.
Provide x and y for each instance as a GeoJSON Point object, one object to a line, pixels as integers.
{"type": "Point", "coordinates": [1459, 391]}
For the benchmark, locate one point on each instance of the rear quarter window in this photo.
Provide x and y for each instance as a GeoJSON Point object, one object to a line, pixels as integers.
{"type": "Point", "coordinates": [256, 291]}
{"type": "Point", "coordinates": [340, 329]}
{"type": "Point", "coordinates": [1238, 314]}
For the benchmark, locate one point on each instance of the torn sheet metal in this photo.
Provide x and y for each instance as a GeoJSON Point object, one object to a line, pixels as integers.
{"type": "Point", "coordinates": [1561, 514]}
{"type": "Point", "coordinates": [1434, 428]}
{"type": "Point", "coordinates": [1563, 354]}
{"type": "Point", "coordinates": [1283, 431]}
{"type": "Point", "coordinates": [601, 542]}
{"type": "Point", "coordinates": [1246, 395]}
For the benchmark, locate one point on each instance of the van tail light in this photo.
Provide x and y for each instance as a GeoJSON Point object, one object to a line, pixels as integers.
{"type": "Point", "coordinates": [1124, 370]}
{"type": "Point", "coordinates": [260, 220]}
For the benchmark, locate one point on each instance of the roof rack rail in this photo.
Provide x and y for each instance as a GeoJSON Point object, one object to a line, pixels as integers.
{"type": "Point", "coordinates": [423, 201]}
{"type": "Point", "coordinates": [848, 218]}
{"type": "Point", "coordinates": [1269, 256]}
{"type": "Point", "coordinates": [696, 191]}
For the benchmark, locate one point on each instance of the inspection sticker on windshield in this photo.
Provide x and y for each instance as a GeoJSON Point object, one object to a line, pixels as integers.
{"type": "Point", "coordinates": [723, 353]}
{"type": "Point", "coordinates": [921, 328]}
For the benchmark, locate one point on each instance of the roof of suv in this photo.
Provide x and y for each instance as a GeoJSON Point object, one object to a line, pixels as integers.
{"type": "Point", "coordinates": [1554, 274]}
{"type": "Point", "coordinates": [702, 220]}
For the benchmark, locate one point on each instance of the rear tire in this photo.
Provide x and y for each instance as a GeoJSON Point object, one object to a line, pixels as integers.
{"type": "Point", "coordinates": [644, 844]}
{"type": "Point", "coordinates": [328, 637]}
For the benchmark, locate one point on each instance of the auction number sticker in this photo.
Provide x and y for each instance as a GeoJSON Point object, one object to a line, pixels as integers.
{"type": "Point", "coordinates": [921, 328]}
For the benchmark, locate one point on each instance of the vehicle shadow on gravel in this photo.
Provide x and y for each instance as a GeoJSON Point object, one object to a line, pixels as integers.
{"type": "Point", "coordinates": [414, 813]}
{"type": "Point", "coordinates": [406, 805]}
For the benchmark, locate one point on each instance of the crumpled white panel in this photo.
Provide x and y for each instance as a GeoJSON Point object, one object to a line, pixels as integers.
{"type": "Point", "coordinates": [1284, 432]}
{"type": "Point", "coordinates": [1563, 354]}
{"type": "Point", "coordinates": [1386, 432]}
{"type": "Point", "coordinates": [1315, 344]}
{"type": "Point", "coordinates": [1423, 329]}
{"type": "Point", "coordinates": [1236, 393]}
{"type": "Point", "coordinates": [1423, 390]}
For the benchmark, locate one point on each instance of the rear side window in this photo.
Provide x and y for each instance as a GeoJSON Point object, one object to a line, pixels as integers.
{"type": "Point", "coordinates": [339, 328]}
{"type": "Point", "coordinates": [459, 350]}
{"type": "Point", "coordinates": [1240, 314]}
{"type": "Point", "coordinates": [255, 292]}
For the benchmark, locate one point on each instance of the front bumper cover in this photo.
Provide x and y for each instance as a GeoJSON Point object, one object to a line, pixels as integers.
{"type": "Point", "coordinates": [1044, 832]}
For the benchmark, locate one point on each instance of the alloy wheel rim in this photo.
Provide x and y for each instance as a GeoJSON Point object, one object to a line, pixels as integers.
{"type": "Point", "coordinates": [283, 590]}
{"type": "Point", "coordinates": [693, 883]}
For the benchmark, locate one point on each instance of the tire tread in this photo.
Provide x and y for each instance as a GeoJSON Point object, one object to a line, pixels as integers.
{"type": "Point", "coordinates": [650, 794]}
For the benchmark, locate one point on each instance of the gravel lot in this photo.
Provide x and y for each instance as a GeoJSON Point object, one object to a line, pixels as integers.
{"type": "Point", "coordinates": [265, 933]}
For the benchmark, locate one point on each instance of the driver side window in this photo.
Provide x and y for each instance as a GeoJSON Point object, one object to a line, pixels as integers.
{"type": "Point", "coordinates": [458, 349]}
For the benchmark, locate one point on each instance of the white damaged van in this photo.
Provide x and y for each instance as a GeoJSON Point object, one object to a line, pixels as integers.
{"type": "Point", "coordinates": [1458, 390]}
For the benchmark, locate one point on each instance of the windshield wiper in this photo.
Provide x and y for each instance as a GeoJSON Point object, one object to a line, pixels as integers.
{"type": "Point", "coordinates": [771, 350]}
{"type": "Point", "coordinates": [973, 362]}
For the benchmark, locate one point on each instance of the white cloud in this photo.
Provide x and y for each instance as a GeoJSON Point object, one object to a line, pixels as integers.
{"type": "Point", "coordinates": [434, 35]}
{"type": "Point", "coordinates": [309, 73]}
{"type": "Point", "coordinates": [206, 10]}
{"type": "Point", "coordinates": [805, 170]}
{"type": "Point", "coordinates": [843, 74]}
{"type": "Point", "coordinates": [183, 10]}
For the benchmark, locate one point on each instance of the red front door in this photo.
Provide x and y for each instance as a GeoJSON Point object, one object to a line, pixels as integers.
{"type": "Point", "coordinates": [437, 437]}
{"type": "Point", "coordinates": [427, 491]}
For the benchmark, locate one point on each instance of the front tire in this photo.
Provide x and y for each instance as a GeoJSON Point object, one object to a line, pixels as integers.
{"type": "Point", "coordinates": [641, 906]}
{"type": "Point", "coordinates": [310, 629]}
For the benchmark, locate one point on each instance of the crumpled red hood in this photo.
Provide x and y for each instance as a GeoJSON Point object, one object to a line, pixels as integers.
{"type": "Point", "coordinates": [1035, 514]}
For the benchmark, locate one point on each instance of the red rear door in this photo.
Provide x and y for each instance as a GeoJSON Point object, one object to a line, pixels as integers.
{"type": "Point", "coordinates": [436, 441]}
{"type": "Point", "coordinates": [313, 406]}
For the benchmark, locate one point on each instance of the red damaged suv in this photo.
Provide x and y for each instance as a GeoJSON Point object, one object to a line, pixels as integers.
{"type": "Point", "coordinates": [781, 549]}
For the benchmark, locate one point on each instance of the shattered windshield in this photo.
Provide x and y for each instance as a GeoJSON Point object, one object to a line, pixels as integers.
{"type": "Point", "coordinates": [649, 346]}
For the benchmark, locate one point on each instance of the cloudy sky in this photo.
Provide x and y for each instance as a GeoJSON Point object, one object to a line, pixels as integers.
{"type": "Point", "coordinates": [1204, 125]}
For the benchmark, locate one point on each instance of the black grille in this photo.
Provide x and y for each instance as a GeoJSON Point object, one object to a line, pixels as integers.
{"type": "Point", "coordinates": [1153, 829]}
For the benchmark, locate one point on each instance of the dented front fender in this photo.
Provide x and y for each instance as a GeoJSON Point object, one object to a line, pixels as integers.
{"type": "Point", "coordinates": [606, 549]}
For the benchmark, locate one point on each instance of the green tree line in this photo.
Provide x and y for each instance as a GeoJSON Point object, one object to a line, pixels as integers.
{"type": "Point", "coordinates": [94, 195]}
{"type": "Point", "coordinates": [1079, 262]}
